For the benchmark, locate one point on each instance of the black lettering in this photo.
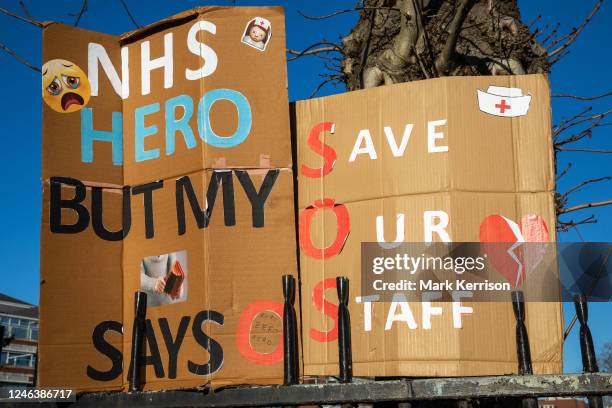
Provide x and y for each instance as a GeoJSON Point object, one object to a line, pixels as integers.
{"type": "Point", "coordinates": [183, 185]}
{"type": "Point", "coordinates": [96, 215]}
{"type": "Point", "coordinates": [257, 199]}
{"type": "Point", "coordinates": [155, 357]}
{"type": "Point", "coordinates": [173, 346]}
{"type": "Point", "coordinates": [57, 204]}
{"type": "Point", "coordinates": [104, 347]}
{"type": "Point", "coordinates": [147, 190]}
{"type": "Point", "coordinates": [212, 346]}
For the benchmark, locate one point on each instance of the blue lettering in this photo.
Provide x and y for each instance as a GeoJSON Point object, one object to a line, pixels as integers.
{"type": "Point", "coordinates": [142, 131]}
{"type": "Point", "coordinates": [244, 118]}
{"type": "Point", "coordinates": [89, 134]}
{"type": "Point", "coordinates": [174, 125]}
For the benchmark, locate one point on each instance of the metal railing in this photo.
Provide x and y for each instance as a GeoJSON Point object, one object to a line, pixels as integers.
{"type": "Point", "coordinates": [495, 391]}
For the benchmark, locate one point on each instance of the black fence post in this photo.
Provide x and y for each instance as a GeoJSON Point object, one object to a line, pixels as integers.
{"type": "Point", "coordinates": [290, 332]}
{"type": "Point", "coordinates": [523, 350]}
{"type": "Point", "coordinates": [345, 355]}
{"type": "Point", "coordinates": [138, 337]}
{"type": "Point", "coordinates": [587, 349]}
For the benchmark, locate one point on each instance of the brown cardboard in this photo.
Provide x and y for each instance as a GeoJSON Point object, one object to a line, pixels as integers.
{"type": "Point", "coordinates": [229, 268]}
{"type": "Point", "coordinates": [494, 165]}
{"type": "Point", "coordinates": [260, 76]}
{"type": "Point", "coordinates": [61, 142]}
{"type": "Point", "coordinates": [232, 266]}
{"type": "Point", "coordinates": [78, 290]}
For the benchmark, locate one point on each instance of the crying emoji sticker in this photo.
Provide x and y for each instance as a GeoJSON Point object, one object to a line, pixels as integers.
{"type": "Point", "coordinates": [65, 87]}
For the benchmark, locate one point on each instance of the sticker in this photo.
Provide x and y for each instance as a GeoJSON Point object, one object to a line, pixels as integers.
{"type": "Point", "coordinates": [514, 260]}
{"type": "Point", "coordinates": [505, 102]}
{"type": "Point", "coordinates": [257, 33]}
{"type": "Point", "coordinates": [164, 278]}
{"type": "Point", "coordinates": [65, 87]}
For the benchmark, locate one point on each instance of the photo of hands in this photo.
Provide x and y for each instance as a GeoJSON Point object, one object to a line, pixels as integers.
{"type": "Point", "coordinates": [164, 278]}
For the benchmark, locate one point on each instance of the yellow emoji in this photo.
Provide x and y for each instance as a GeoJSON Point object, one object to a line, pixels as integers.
{"type": "Point", "coordinates": [65, 87]}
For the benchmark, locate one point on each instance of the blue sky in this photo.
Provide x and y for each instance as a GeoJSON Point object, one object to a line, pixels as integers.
{"type": "Point", "coordinates": [585, 71]}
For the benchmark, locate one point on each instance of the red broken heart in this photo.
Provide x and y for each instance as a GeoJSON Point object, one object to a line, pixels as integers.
{"type": "Point", "coordinates": [502, 238]}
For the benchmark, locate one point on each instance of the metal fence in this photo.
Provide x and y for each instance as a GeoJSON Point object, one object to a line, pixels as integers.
{"type": "Point", "coordinates": [490, 391]}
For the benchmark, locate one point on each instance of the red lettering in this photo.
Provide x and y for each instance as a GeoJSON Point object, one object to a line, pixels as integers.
{"type": "Point", "coordinates": [328, 308]}
{"type": "Point", "coordinates": [329, 154]}
{"type": "Point", "coordinates": [342, 229]}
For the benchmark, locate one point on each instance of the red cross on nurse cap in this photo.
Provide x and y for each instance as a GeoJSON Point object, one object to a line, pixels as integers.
{"type": "Point", "coordinates": [262, 23]}
{"type": "Point", "coordinates": [502, 101]}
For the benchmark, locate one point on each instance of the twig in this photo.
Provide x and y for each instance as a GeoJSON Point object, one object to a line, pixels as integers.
{"type": "Point", "coordinates": [551, 34]}
{"type": "Point", "coordinates": [577, 120]}
{"type": "Point", "coordinates": [25, 9]}
{"type": "Point", "coordinates": [335, 13]}
{"type": "Point", "coordinates": [18, 58]}
{"type": "Point", "coordinates": [312, 50]}
{"type": "Point", "coordinates": [583, 206]}
{"type": "Point", "coordinates": [80, 13]}
{"type": "Point", "coordinates": [564, 226]}
{"type": "Point", "coordinates": [27, 20]}
{"type": "Point", "coordinates": [127, 10]}
{"type": "Point", "coordinates": [534, 21]}
{"type": "Point", "coordinates": [569, 149]}
{"type": "Point", "coordinates": [318, 88]}
{"type": "Point", "coordinates": [564, 196]}
{"type": "Point", "coordinates": [564, 172]}
{"type": "Point", "coordinates": [571, 37]}
{"type": "Point", "coordinates": [582, 98]}
{"type": "Point", "coordinates": [566, 121]}
{"type": "Point", "coordinates": [418, 57]}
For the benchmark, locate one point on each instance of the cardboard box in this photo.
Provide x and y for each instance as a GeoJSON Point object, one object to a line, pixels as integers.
{"type": "Point", "coordinates": [434, 159]}
{"type": "Point", "coordinates": [166, 169]}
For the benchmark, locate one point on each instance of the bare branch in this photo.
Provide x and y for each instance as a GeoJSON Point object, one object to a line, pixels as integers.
{"type": "Point", "coordinates": [335, 13]}
{"type": "Point", "coordinates": [564, 196]}
{"type": "Point", "coordinates": [127, 10]}
{"type": "Point", "coordinates": [322, 84]}
{"type": "Point", "coordinates": [552, 33]}
{"type": "Point", "coordinates": [312, 50]}
{"type": "Point", "coordinates": [27, 20]}
{"type": "Point", "coordinates": [25, 9]}
{"type": "Point", "coordinates": [556, 128]}
{"type": "Point", "coordinates": [564, 226]}
{"type": "Point", "coordinates": [564, 172]}
{"type": "Point", "coordinates": [444, 59]}
{"type": "Point", "coordinates": [582, 98]}
{"type": "Point", "coordinates": [571, 37]}
{"type": "Point", "coordinates": [577, 120]}
{"type": "Point", "coordinates": [569, 149]}
{"type": "Point", "coordinates": [535, 21]}
{"type": "Point", "coordinates": [18, 57]}
{"type": "Point", "coordinates": [420, 61]}
{"type": "Point", "coordinates": [583, 206]}
{"type": "Point", "coordinates": [80, 13]}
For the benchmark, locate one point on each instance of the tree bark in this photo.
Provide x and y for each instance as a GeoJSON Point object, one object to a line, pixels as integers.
{"type": "Point", "coordinates": [406, 40]}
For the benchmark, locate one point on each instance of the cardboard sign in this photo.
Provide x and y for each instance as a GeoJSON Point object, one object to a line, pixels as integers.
{"type": "Point", "coordinates": [444, 160]}
{"type": "Point", "coordinates": [166, 169]}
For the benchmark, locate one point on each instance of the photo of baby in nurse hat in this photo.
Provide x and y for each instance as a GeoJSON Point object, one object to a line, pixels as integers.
{"type": "Point", "coordinates": [257, 33]}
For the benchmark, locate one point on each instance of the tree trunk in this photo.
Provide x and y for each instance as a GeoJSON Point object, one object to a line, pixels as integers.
{"type": "Point", "coordinates": [405, 40]}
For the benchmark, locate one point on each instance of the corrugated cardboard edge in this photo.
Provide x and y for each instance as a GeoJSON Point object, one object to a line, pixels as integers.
{"type": "Point", "coordinates": [179, 19]}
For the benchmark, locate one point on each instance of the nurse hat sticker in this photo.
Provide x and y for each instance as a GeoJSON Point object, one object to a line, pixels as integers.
{"type": "Point", "coordinates": [502, 101]}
